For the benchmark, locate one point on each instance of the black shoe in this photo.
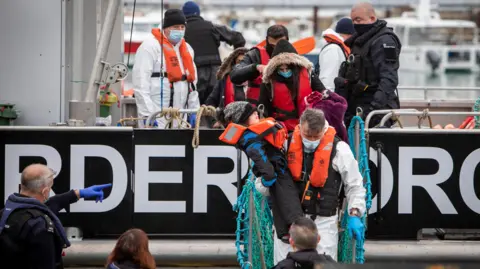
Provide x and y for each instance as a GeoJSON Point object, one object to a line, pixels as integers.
{"type": "Point", "coordinates": [286, 239]}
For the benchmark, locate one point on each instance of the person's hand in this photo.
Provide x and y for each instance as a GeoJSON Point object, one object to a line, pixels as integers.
{"type": "Point", "coordinates": [217, 125]}
{"type": "Point", "coordinates": [260, 187]}
{"type": "Point", "coordinates": [260, 68]}
{"type": "Point", "coordinates": [95, 191]}
{"type": "Point", "coordinates": [355, 227]}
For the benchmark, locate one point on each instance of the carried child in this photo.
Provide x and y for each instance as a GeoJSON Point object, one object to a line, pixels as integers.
{"type": "Point", "coordinates": [262, 140]}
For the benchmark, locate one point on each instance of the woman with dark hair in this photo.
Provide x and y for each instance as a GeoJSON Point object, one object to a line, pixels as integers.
{"type": "Point", "coordinates": [131, 252]}
{"type": "Point", "coordinates": [288, 79]}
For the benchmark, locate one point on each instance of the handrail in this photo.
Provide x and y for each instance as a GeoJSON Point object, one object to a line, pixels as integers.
{"type": "Point", "coordinates": [427, 113]}
{"type": "Point", "coordinates": [385, 111]}
{"type": "Point", "coordinates": [435, 88]}
{"type": "Point", "coordinates": [426, 89]}
{"type": "Point", "coordinates": [154, 114]}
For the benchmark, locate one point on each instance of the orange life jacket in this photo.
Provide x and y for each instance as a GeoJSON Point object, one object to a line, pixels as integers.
{"type": "Point", "coordinates": [229, 91]}
{"type": "Point", "coordinates": [253, 91]}
{"type": "Point", "coordinates": [174, 72]}
{"type": "Point", "coordinates": [321, 158]}
{"type": "Point", "coordinates": [286, 109]}
{"type": "Point", "coordinates": [330, 38]}
{"type": "Point", "coordinates": [267, 129]}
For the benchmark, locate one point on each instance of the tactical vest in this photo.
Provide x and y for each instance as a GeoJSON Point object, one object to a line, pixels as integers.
{"type": "Point", "coordinates": [329, 201]}
{"type": "Point", "coordinates": [359, 65]}
{"type": "Point", "coordinates": [12, 242]}
{"type": "Point", "coordinates": [199, 35]}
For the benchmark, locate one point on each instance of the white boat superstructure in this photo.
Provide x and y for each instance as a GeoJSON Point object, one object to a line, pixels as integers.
{"type": "Point", "coordinates": [430, 43]}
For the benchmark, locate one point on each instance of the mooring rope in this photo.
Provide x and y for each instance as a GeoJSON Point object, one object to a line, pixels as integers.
{"type": "Point", "coordinates": [202, 111]}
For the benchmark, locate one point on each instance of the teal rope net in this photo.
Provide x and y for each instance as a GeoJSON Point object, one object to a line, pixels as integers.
{"type": "Point", "coordinates": [476, 108]}
{"type": "Point", "coordinates": [345, 246]}
{"type": "Point", "coordinates": [259, 225]}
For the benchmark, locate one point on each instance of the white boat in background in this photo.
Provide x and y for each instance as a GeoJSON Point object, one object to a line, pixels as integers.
{"type": "Point", "coordinates": [432, 44]}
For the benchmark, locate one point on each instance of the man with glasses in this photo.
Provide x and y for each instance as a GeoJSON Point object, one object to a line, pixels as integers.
{"type": "Point", "coordinates": [31, 235]}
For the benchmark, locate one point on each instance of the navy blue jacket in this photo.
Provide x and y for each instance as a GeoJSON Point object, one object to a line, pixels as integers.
{"type": "Point", "coordinates": [268, 160]}
{"type": "Point", "coordinates": [43, 249]}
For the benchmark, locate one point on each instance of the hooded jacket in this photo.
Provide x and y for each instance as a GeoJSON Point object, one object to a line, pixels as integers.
{"type": "Point", "coordinates": [304, 259]}
{"type": "Point", "coordinates": [217, 97]}
{"type": "Point", "coordinates": [270, 75]}
{"type": "Point", "coordinates": [329, 60]}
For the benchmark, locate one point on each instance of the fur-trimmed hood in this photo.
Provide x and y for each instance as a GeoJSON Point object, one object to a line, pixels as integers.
{"type": "Point", "coordinates": [285, 58]}
{"type": "Point", "coordinates": [226, 66]}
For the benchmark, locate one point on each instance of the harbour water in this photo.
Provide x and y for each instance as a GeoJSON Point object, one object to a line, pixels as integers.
{"type": "Point", "coordinates": [447, 80]}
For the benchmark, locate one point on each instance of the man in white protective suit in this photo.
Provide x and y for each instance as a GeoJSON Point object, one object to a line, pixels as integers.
{"type": "Point", "coordinates": [164, 73]}
{"type": "Point", "coordinates": [322, 166]}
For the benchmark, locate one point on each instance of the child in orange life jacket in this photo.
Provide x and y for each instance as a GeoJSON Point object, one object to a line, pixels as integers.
{"type": "Point", "coordinates": [262, 141]}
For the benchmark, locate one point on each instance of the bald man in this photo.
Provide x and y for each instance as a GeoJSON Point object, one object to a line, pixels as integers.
{"type": "Point", "coordinates": [369, 78]}
{"type": "Point", "coordinates": [31, 235]}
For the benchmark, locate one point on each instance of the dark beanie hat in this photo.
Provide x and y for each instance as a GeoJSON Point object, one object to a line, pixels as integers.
{"type": "Point", "coordinates": [173, 17]}
{"type": "Point", "coordinates": [191, 8]}
{"type": "Point", "coordinates": [237, 112]}
{"type": "Point", "coordinates": [345, 26]}
{"type": "Point", "coordinates": [283, 46]}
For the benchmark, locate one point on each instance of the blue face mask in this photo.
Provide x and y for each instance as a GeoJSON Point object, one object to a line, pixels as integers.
{"type": "Point", "coordinates": [285, 74]}
{"type": "Point", "coordinates": [175, 36]}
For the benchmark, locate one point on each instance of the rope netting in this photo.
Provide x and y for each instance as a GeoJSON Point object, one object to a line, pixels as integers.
{"type": "Point", "coordinates": [476, 108]}
{"type": "Point", "coordinates": [254, 228]}
{"type": "Point", "coordinates": [347, 246]}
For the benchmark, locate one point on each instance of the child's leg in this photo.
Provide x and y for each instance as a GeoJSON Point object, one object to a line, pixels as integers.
{"type": "Point", "coordinates": [285, 197]}
{"type": "Point", "coordinates": [281, 226]}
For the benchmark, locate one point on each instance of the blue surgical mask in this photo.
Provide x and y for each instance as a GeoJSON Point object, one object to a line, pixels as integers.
{"type": "Point", "coordinates": [310, 146]}
{"type": "Point", "coordinates": [176, 35]}
{"type": "Point", "coordinates": [285, 74]}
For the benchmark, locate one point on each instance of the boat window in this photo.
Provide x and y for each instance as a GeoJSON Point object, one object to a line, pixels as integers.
{"type": "Point", "coordinates": [441, 36]}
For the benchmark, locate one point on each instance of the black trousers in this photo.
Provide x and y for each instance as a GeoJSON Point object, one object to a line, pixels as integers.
{"type": "Point", "coordinates": [285, 203]}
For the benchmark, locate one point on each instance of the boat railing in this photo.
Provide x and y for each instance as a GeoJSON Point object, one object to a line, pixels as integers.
{"type": "Point", "coordinates": [427, 89]}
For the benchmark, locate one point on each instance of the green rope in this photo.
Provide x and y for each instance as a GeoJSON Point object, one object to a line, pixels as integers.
{"type": "Point", "coordinates": [345, 249]}
{"type": "Point", "coordinates": [476, 108]}
{"type": "Point", "coordinates": [261, 225]}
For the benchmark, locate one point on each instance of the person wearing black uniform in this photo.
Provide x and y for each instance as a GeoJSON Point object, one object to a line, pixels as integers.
{"type": "Point", "coordinates": [369, 77]}
{"type": "Point", "coordinates": [304, 238]}
{"type": "Point", "coordinates": [205, 37]}
{"type": "Point", "coordinates": [253, 64]}
{"type": "Point", "coordinates": [31, 235]}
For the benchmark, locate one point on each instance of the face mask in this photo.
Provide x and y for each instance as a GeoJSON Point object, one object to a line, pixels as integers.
{"type": "Point", "coordinates": [362, 28]}
{"type": "Point", "coordinates": [310, 146]}
{"type": "Point", "coordinates": [175, 36]}
{"type": "Point", "coordinates": [285, 74]}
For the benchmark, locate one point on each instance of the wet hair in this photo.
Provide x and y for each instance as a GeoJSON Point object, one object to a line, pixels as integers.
{"type": "Point", "coordinates": [277, 31]}
{"type": "Point", "coordinates": [304, 233]}
{"type": "Point", "coordinates": [132, 246]}
{"type": "Point", "coordinates": [315, 118]}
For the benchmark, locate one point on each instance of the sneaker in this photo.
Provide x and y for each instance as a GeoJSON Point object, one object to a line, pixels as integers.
{"type": "Point", "coordinates": [286, 239]}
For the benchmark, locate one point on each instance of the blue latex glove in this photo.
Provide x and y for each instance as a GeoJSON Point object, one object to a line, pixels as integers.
{"type": "Point", "coordinates": [95, 191]}
{"type": "Point", "coordinates": [268, 183]}
{"type": "Point", "coordinates": [355, 227]}
{"type": "Point", "coordinates": [192, 119]}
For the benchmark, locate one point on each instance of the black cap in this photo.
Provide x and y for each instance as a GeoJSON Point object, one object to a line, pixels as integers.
{"type": "Point", "coordinates": [173, 17]}
{"type": "Point", "coordinates": [283, 46]}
